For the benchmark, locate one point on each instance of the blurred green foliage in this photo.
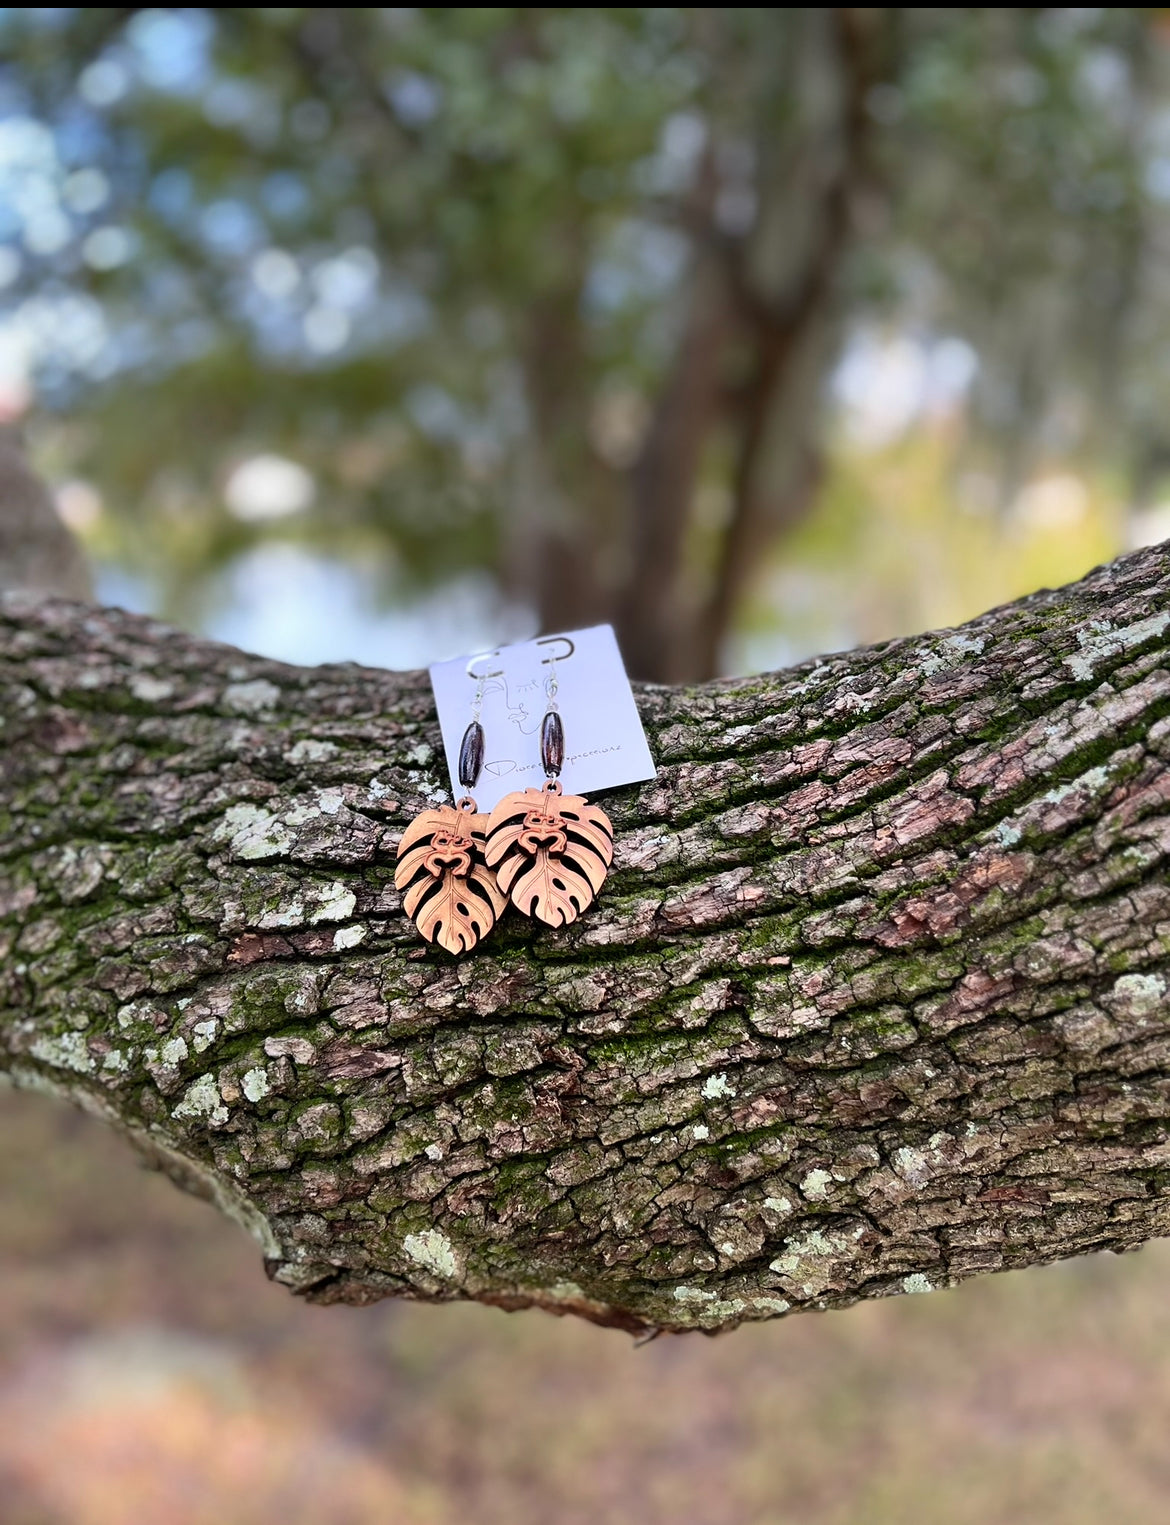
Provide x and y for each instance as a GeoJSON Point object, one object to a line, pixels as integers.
{"type": "Point", "coordinates": [446, 259]}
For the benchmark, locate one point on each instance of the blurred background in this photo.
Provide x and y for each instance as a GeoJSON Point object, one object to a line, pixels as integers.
{"type": "Point", "coordinates": [386, 334]}
{"type": "Point", "coordinates": [758, 331]}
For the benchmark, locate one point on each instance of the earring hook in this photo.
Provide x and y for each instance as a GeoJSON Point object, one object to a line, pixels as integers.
{"type": "Point", "coordinates": [557, 656]}
{"type": "Point", "coordinates": [484, 656]}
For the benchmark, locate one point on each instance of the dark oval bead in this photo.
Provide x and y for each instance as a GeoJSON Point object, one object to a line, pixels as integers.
{"type": "Point", "coordinates": [471, 755]}
{"type": "Point", "coordinates": [552, 744]}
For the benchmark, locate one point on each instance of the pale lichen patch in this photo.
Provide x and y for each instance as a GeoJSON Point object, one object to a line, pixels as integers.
{"type": "Point", "coordinates": [706, 1307]}
{"type": "Point", "coordinates": [348, 937]}
{"type": "Point", "coordinates": [202, 1100]}
{"type": "Point", "coordinates": [253, 832]}
{"type": "Point", "coordinates": [965, 644]}
{"type": "Point", "coordinates": [564, 1291]}
{"type": "Point", "coordinates": [775, 1305]}
{"type": "Point", "coordinates": [174, 1051]}
{"type": "Point", "coordinates": [1092, 778]}
{"type": "Point", "coordinates": [815, 1185]}
{"type": "Point", "coordinates": [150, 690]}
{"type": "Point", "coordinates": [810, 1260]}
{"type": "Point", "coordinates": [312, 751]}
{"type": "Point", "coordinates": [433, 791]}
{"type": "Point", "coordinates": [255, 1084]}
{"type": "Point", "coordinates": [434, 1252]}
{"type": "Point", "coordinates": [251, 698]}
{"type": "Point", "coordinates": [203, 1034]}
{"type": "Point", "coordinates": [1141, 994]}
{"type": "Point", "coordinates": [336, 903]}
{"type": "Point", "coordinates": [290, 915]}
{"type": "Point", "coordinates": [694, 1295]}
{"type": "Point", "coordinates": [916, 1282]}
{"type": "Point", "coordinates": [716, 1086]}
{"type": "Point", "coordinates": [1101, 641]}
{"type": "Point", "coordinates": [912, 1165]}
{"type": "Point", "coordinates": [952, 649]}
{"type": "Point", "coordinates": [66, 1051]}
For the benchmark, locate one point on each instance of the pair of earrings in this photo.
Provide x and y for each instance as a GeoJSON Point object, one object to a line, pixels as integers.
{"type": "Point", "coordinates": [545, 851]}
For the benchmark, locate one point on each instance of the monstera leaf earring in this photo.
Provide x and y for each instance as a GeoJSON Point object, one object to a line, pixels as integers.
{"type": "Point", "coordinates": [447, 889]}
{"type": "Point", "coordinates": [550, 851]}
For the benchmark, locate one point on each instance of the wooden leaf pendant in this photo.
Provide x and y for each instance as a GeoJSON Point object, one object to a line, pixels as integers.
{"type": "Point", "coordinates": [447, 890]}
{"type": "Point", "coordinates": [550, 852]}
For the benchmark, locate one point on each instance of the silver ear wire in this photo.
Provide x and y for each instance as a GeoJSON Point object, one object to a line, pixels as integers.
{"type": "Point", "coordinates": [561, 656]}
{"type": "Point", "coordinates": [484, 656]}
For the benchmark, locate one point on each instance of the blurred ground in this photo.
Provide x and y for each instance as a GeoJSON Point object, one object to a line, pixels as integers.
{"type": "Point", "coordinates": [149, 1373]}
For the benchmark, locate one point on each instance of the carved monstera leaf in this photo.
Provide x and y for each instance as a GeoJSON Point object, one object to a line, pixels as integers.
{"type": "Point", "coordinates": [457, 913]}
{"type": "Point", "coordinates": [551, 853]}
{"type": "Point", "coordinates": [447, 891]}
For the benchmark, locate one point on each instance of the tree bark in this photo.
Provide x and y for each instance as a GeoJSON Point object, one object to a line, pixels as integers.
{"type": "Point", "coordinates": [875, 999]}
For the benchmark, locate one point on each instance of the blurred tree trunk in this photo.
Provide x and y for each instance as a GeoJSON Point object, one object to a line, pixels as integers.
{"type": "Point", "coordinates": [875, 1000]}
{"type": "Point", "coordinates": [37, 551]}
{"type": "Point", "coordinates": [566, 549]}
{"type": "Point", "coordinates": [761, 334]}
{"type": "Point", "coordinates": [760, 331]}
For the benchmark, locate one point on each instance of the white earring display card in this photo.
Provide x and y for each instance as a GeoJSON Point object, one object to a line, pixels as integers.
{"type": "Point", "coordinates": [605, 745]}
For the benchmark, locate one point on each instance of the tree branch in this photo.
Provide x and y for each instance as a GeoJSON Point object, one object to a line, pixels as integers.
{"type": "Point", "coordinates": [875, 999]}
